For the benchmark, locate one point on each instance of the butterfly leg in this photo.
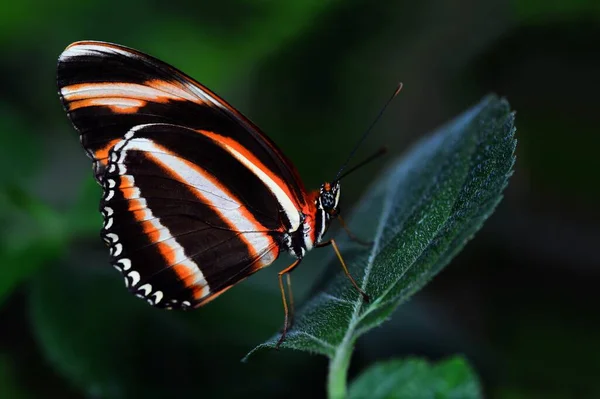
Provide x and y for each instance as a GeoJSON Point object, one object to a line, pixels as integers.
{"type": "Point", "coordinates": [291, 297]}
{"type": "Point", "coordinates": [339, 255]}
{"type": "Point", "coordinates": [351, 234]}
{"type": "Point", "coordinates": [286, 323]}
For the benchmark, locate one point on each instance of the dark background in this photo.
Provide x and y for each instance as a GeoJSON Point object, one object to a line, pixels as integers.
{"type": "Point", "coordinates": [520, 301]}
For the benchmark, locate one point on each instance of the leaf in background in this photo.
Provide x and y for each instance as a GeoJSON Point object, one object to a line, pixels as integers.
{"type": "Point", "coordinates": [9, 386]}
{"type": "Point", "coordinates": [420, 213]}
{"type": "Point", "coordinates": [83, 217]}
{"type": "Point", "coordinates": [32, 232]}
{"type": "Point", "coordinates": [20, 152]}
{"type": "Point", "coordinates": [107, 343]}
{"type": "Point", "coordinates": [256, 31]}
{"type": "Point", "coordinates": [34, 235]}
{"type": "Point", "coordinates": [415, 379]}
{"type": "Point", "coordinates": [537, 12]}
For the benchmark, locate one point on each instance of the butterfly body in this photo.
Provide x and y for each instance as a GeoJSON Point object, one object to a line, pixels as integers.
{"type": "Point", "coordinates": [195, 197]}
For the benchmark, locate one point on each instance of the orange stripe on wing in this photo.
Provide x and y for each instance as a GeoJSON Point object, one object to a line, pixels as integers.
{"type": "Point", "coordinates": [188, 278]}
{"type": "Point", "coordinates": [96, 43]}
{"type": "Point", "coordinates": [225, 142]}
{"type": "Point", "coordinates": [122, 93]}
{"type": "Point", "coordinates": [152, 228]}
{"type": "Point", "coordinates": [118, 105]}
{"type": "Point", "coordinates": [101, 154]}
{"type": "Point", "coordinates": [204, 199]}
{"type": "Point", "coordinates": [176, 90]}
{"type": "Point", "coordinates": [310, 210]}
{"type": "Point", "coordinates": [190, 85]}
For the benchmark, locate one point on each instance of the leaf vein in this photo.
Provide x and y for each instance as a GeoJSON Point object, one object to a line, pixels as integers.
{"type": "Point", "coordinates": [336, 299]}
{"type": "Point", "coordinates": [315, 338]}
{"type": "Point", "coordinates": [440, 228]}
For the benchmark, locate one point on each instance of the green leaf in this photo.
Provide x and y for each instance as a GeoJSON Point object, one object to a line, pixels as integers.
{"type": "Point", "coordinates": [32, 232]}
{"type": "Point", "coordinates": [420, 214]}
{"type": "Point", "coordinates": [107, 343]}
{"type": "Point", "coordinates": [20, 151]}
{"type": "Point", "coordinates": [416, 379]}
{"type": "Point", "coordinates": [9, 386]}
{"type": "Point", "coordinates": [83, 217]}
{"type": "Point", "coordinates": [262, 29]}
{"type": "Point", "coordinates": [94, 333]}
{"type": "Point", "coordinates": [537, 11]}
{"type": "Point", "coordinates": [35, 235]}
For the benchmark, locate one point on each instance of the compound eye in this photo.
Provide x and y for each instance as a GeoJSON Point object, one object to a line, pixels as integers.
{"type": "Point", "coordinates": [327, 200]}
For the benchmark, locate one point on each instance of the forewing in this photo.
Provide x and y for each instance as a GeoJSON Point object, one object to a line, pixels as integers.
{"type": "Point", "coordinates": [107, 89]}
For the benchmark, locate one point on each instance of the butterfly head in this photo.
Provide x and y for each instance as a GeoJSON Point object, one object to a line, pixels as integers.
{"type": "Point", "coordinates": [329, 198]}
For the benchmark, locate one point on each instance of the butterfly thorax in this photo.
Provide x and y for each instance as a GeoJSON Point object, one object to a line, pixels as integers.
{"type": "Point", "coordinates": [315, 219]}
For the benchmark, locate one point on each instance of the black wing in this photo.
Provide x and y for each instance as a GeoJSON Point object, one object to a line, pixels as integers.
{"type": "Point", "coordinates": [176, 230]}
{"type": "Point", "coordinates": [107, 89]}
{"type": "Point", "coordinates": [196, 198]}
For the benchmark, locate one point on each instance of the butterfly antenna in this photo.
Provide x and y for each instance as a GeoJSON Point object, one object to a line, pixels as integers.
{"type": "Point", "coordinates": [368, 131]}
{"type": "Point", "coordinates": [372, 157]}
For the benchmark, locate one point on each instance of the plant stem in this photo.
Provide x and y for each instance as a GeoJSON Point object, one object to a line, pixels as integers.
{"type": "Point", "coordinates": [338, 371]}
{"type": "Point", "coordinates": [338, 366]}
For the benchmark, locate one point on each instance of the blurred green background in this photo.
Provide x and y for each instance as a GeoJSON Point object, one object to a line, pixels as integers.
{"type": "Point", "coordinates": [520, 301]}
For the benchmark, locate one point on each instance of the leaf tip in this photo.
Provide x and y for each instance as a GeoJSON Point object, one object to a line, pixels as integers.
{"type": "Point", "coordinates": [247, 357]}
{"type": "Point", "coordinates": [269, 344]}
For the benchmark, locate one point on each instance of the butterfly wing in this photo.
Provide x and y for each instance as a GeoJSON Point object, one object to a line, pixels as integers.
{"type": "Point", "coordinates": [175, 228]}
{"type": "Point", "coordinates": [196, 198]}
{"type": "Point", "coordinates": [107, 89]}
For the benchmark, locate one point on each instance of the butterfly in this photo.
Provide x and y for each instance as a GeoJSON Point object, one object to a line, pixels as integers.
{"type": "Point", "coordinates": [195, 197]}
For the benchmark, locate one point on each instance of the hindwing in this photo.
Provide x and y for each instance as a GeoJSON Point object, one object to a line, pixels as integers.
{"type": "Point", "coordinates": [175, 229]}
